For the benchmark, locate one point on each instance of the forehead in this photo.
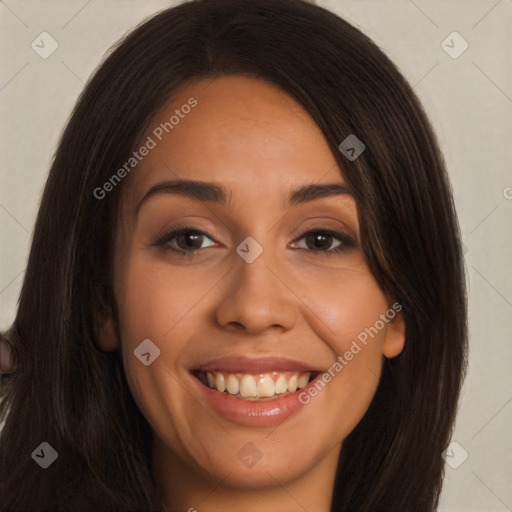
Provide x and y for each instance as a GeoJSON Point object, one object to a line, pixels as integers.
{"type": "Point", "coordinates": [240, 131]}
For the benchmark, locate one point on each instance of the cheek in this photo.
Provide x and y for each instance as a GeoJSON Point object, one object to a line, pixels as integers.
{"type": "Point", "coordinates": [152, 306]}
{"type": "Point", "coordinates": [164, 306]}
{"type": "Point", "coordinates": [344, 306]}
{"type": "Point", "coordinates": [346, 310]}
{"type": "Point", "coordinates": [153, 300]}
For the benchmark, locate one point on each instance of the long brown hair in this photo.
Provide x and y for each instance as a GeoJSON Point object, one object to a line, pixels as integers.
{"type": "Point", "coordinates": [74, 396]}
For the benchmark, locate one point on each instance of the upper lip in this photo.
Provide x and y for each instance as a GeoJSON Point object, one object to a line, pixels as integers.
{"type": "Point", "coordinates": [254, 365]}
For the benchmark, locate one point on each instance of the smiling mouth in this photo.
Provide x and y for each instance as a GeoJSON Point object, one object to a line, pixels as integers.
{"type": "Point", "coordinates": [262, 386]}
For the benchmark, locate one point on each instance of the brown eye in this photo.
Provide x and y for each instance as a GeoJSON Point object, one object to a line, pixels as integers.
{"type": "Point", "coordinates": [184, 240]}
{"type": "Point", "coordinates": [327, 242]}
{"type": "Point", "coordinates": [189, 240]}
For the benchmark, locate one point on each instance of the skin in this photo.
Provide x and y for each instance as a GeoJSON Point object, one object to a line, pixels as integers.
{"type": "Point", "coordinates": [292, 301]}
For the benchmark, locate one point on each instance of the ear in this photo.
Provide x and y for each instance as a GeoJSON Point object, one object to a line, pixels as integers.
{"type": "Point", "coordinates": [395, 334]}
{"type": "Point", "coordinates": [106, 326]}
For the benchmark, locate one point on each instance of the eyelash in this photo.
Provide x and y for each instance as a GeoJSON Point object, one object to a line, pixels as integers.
{"type": "Point", "coordinates": [347, 242]}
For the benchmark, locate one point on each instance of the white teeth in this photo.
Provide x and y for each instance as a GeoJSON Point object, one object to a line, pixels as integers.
{"type": "Point", "coordinates": [303, 380]}
{"type": "Point", "coordinates": [265, 386]}
{"type": "Point", "coordinates": [248, 386]}
{"type": "Point", "coordinates": [220, 385]}
{"type": "Point", "coordinates": [292, 384]}
{"type": "Point", "coordinates": [281, 386]}
{"type": "Point", "coordinates": [232, 385]}
{"type": "Point", "coordinates": [257, 386]}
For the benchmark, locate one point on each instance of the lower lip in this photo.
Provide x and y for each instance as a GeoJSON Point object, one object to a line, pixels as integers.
{"type": "Point", "coordinates": [252, 413]}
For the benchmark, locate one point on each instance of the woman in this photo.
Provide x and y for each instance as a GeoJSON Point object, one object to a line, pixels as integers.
{"type": "Point", "coordinates": [252, 371]}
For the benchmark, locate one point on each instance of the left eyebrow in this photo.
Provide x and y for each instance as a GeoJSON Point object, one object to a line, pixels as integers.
{"type": "Point", "coordinates": [312, 192]}
{"type": "Point", "coordinates": [213, 192]}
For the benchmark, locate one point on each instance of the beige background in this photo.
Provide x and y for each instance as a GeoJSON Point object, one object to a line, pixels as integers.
{"type": "Point", "coordinates": [469, 100]}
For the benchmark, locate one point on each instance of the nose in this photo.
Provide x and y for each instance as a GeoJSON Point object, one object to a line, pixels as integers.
{"type": "Point", "coordinates": [257, 298]}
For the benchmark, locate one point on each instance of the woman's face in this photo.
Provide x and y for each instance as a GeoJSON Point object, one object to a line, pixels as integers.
{"type": "Point", "coordinates": [270, 290]}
